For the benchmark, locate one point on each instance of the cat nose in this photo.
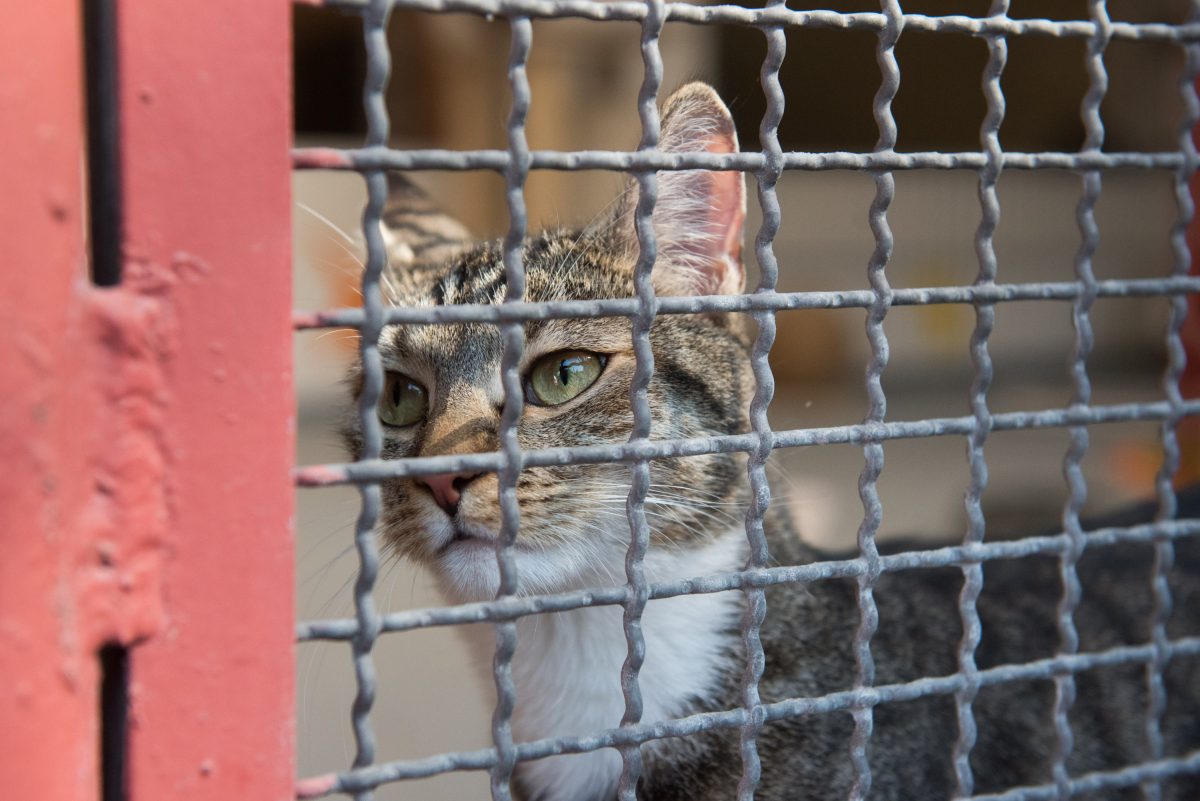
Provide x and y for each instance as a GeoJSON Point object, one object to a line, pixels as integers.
{"type": "Point", "coordinates": [447, 488]}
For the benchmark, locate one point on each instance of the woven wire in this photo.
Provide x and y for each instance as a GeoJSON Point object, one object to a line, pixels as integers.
{"type": "Point", "coordinates": [760, 490]}
{"type": "Point", "coordinates": [367, 621]}
{"type": "Point", "coordinates": [513, 337]}
{"type": "Point", "coordinates": [372, 160]}
{"type": "Point", "coordinates": [885, 191]}
{"type": "Point", "coordinates": [981, 360]}
{"type": "Point", "coordinates": [639, 400]}
{"type": "Point", "coordinates": [1064, 685]}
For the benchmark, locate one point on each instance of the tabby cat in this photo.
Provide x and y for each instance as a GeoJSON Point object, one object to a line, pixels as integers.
{"type": "Point", "coordinates": [443, 395]}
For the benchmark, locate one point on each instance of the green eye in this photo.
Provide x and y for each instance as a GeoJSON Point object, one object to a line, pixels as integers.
{"type": "Point", "coordinates": [559, 377]}
{"type": "Point", "coordinates": [403, 401]}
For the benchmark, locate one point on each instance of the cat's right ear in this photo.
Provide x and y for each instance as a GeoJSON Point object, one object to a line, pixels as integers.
{"type": "Point", "coordinates": [700, 214]}
{"type": "Point", "coordinates": [415, 229]}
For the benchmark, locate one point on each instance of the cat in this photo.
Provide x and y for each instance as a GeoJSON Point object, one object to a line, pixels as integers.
{"type": "Point", "coordinates": [443, 395]}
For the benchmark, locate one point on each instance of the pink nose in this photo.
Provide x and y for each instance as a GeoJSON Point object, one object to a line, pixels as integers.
{"type": "Point", "coordinates": [447, 488]}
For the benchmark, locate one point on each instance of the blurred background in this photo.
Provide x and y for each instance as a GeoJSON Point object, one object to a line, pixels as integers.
{"type": "Point", "coordinates": [449, 90]}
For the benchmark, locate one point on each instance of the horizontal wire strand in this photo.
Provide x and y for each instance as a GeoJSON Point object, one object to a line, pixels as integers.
{"type": "Point", "coordinates": [947, 556]}
{"type": "Point", "coordinates": [761, 301]}
{"type": "Point", "coordinates": [484, 759]}
{"type": "Point", "coordinates": [383, 158]}
{"type": "Point", "coordinates": [782, 16]}
{"type": "Point", "coordinates": [371, 470]}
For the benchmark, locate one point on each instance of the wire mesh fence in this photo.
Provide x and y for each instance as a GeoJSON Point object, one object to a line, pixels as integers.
{"type": "Point", "coordinates": [375, 158]}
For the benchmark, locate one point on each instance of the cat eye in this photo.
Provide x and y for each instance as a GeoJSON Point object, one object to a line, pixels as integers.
{"type": "Point", "coordinates": [403, 401]}
{"type": "Point", "coordinates": [561, 376]}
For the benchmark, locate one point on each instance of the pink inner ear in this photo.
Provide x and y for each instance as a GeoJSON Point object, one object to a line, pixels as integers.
{"type": "Point", "coordinates": [727, 217]}
{"type": "Point", "coordinates": [729, 209]}
{"type": "Point", "coordinates": [714, 243]}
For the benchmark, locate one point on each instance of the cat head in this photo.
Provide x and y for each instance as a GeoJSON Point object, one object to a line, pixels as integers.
{"type": "Point", "coordinates": [443, 392]}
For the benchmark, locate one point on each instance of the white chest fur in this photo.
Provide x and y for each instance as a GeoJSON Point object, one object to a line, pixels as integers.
{"type": "Point", "coordinates": [567, 668]}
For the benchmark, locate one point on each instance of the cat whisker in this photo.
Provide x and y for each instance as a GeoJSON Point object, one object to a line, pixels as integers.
{"type": "Point", "coordinates": [619, 534]}
{"type": "Point", "coordinates": [345, 334]}
{"type": "Point", "coordinates": [692, 491]}
{"type": "Point", "coordinates": [332, 226]}
{"type": "Point", "coordinates": [706, 509]}
{"type": "Point", "coordinates": [341, 267]}
{"type": "Point", "coordinates": [391, 294]}
{"type": "Point", "coordinates": [389, 288]}
{"type": "Point", "coordinates": [390, 571]}
{"type": "Point", "coordinates": [339, 595]}
{"type": "Point", "coordinates": [352, 254]}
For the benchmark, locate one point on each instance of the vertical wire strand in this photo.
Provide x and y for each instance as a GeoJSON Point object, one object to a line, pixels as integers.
{"type": "Point", "coordinates": [1164, 549]}
{"type": "Point", "coordinates": [513, 336]}
{"type": "Point", "coordinates": [638, 591]}
{"type": "Point", "coordinates": [1064, 683]}
{"type": "Point", "coordinates": [868, 491]}
{"type": "Point", "coordinates": [985, 319]}
{"type": "Point", "coordinates": [760, 489]}
{"type": "Point", "coordinates": [375, 19]}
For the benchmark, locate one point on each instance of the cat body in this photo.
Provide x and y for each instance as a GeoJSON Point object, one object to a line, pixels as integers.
{"type": "Point", "coordinates": [808, 638]}
{"type": "Point", "coordinates": [443, 395]}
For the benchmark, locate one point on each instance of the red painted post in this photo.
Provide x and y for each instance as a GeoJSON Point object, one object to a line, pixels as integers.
{"type": "Point", "coordinates": [45, 656]}
{"type": "Point", "coordinates": [146, 429]}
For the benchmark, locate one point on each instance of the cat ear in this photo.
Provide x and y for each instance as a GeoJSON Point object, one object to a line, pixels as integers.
{"type": "Point", "coordinates": [700, 215]}
{"type": "Point", "coordinates": [415, 229]}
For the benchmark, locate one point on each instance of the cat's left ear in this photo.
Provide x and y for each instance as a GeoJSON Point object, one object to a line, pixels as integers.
{"type": "Point", "coordinates": [415, 229]}
{"type": "Point", "coordinates": [700, 215]}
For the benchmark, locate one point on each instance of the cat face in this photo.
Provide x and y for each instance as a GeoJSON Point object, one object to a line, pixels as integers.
{"type": "Point", "coordinates": [443, 391]}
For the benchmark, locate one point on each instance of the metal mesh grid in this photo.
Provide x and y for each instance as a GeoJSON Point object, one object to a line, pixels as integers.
{"type": "Point", "coordinates": [375, 158]}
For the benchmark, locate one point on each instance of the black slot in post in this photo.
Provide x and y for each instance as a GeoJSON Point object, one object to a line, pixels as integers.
{"type": "Point", "coordinates": [114, 721]}
{"type": "Point", "coordinates": [103, 140]}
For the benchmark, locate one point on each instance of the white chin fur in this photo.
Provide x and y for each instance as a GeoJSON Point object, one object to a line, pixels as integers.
{"type": "Point", "coordinates": [469, 572]}
{"type": "Point", "coordinates": [567, 665]}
